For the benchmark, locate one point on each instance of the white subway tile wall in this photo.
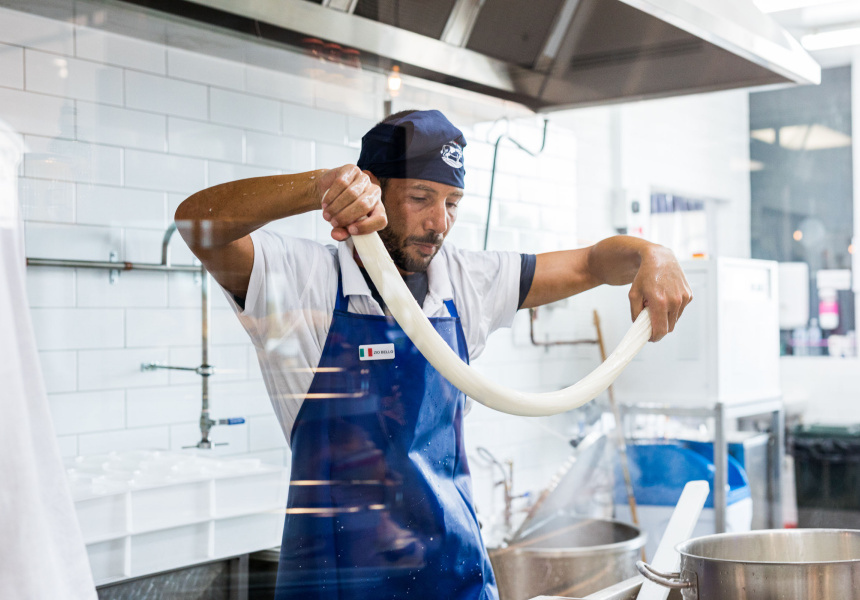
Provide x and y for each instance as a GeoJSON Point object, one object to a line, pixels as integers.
{"type": "Point", "coordinates": [166, 96]}
{"type": "Point", "coordinates": [72, 78]}
{"type": "Point", "coordinates": [205, 140]}
{"type": "Point", "coordinates": [11, 66]}
{"type": "Point", "coordinates": [121, 127]}
{"type": "Point", "coordinates": [120, 130]}
{"type": "Point", "coordinates": [34, 113]}
{"type": "Point", "coordinates": [120, 206]}
{"type": "Point", "coordinates": [244, 110]}
{"type": "Point", "coordinates": [48, 200]}
{"type": "Point", "coordinates": [182, 64]}
{"type": "Point", "coordinates": [120, 50]}
{"type": "Point", "coordinates": [65, 160]}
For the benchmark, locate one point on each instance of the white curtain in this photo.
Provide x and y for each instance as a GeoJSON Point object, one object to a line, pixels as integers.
{"type": "Point", "coordinates": [42, 554]}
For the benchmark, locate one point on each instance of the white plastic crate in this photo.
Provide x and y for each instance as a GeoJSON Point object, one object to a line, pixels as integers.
{"type": "Point", "coordinates": [142, 512]}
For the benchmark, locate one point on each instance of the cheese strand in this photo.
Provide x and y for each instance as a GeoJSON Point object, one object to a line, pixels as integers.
{"type": "Point", "coordinates": [415, 324]}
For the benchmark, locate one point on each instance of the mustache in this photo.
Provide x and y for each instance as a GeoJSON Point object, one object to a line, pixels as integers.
{"type": "Point", "coordinates": [431, 238]}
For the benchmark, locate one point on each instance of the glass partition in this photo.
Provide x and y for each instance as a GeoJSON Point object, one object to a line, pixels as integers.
{"type": "Point", "coordinates": [802, 209]}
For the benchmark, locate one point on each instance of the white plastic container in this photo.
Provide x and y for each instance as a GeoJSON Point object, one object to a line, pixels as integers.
{"type": "Point", "coordinates": [143, 512]}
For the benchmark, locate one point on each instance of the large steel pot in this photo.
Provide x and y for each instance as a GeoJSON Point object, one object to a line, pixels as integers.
{"type": "Point", "coordinates": [780, 564]}
{"type": "Point", "coordinates": [567, 557]}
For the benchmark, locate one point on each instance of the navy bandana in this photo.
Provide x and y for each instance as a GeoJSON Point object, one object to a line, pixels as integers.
{"type": "Point", "coordinates": [421, 145]}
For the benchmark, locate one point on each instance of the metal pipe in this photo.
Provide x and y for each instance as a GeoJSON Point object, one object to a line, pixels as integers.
{"type": "Point", "coordinates": [112, 266]}
{"type": "Point", "coordinates": [721, 468]}
{"type": "Point", "coordinates": [776, 457]}
{"type": "Point", "coordinates": [205, 370]}
{"type": "Point", "coordinates": [165, 244]}
{"type": "Point", "coordinates": [505, 136]}
{"type": "Point", "coordinates": [533, 317]}
{"type": "Point", "coordinates": [205, 422]}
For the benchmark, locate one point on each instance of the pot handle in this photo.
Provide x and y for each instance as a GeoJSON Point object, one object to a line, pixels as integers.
{"type": "Point", "coordinates": [672, 581]}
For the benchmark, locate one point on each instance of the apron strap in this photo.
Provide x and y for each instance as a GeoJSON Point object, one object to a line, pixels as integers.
{"type": "Point", "coordinates": [452, 310]}
{"type": "Point", "coordinates": [341, 303]}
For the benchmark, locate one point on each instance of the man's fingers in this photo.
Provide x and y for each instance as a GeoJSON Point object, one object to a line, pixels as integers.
{"type": "Point", "coordinates": [673, 320]}
{"type": "Point", "coordinates": [332, 183]}
{"type": "Point", "coordinates": [636, 304]}
{"type": "Point", "coordinates": [375, 221]}
{"type": "Point", "coordinates": [354, 190]}
{"type": "Point", "coordinates": [659, 323]}
{"type": "Point", "coordinates": [362, 206]}
{"type": "Point", "coordinates": [339, 234]}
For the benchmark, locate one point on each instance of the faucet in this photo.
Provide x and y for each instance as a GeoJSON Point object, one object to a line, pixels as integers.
{"type": "Point", "coordinates": [506, 482]}
{"type": "Point", "coordinates": [205, 370]}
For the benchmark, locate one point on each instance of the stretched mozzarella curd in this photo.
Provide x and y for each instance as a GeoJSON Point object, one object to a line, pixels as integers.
{"type": "Point", "coordinates": [411, 319]}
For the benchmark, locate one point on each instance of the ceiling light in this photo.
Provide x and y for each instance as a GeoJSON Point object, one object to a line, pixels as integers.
{"type": "Point", "coordinates": [394, 81]}
{"type": "Point", "coordinates": [812, 137]}
{"type": "Point", "coordinates": [768, 136]}
{"type": "Point", "coordinates": [769, 6]}
{"type": "Point", "coordinates": [838, 38]}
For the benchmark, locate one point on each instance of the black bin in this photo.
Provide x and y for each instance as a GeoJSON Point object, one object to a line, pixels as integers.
{"type": "Point", "coordinates": [827, 467]}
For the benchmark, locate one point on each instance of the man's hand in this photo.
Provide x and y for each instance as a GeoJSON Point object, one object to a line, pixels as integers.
{"type": "Point", "coordinates": [351, 202]}
{"type": "Point", "coordinates": [660, 285]}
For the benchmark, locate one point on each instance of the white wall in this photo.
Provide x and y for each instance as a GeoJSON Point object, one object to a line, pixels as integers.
{"type": "Point", "coordinates": [119, 130]}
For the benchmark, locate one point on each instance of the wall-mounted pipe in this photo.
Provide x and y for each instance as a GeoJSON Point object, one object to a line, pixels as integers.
{"type": "Point", "coordinates": [533, 315]}
{"type": "Point", "coordinates": [498, 143]}
{"type": "Point", "coordinates": [205, 370]}
{"type": "Point", "coordinates": [113, 266]}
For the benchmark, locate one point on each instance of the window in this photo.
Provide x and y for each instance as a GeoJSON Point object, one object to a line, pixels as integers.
{"type": "Point", "coordinates": [802, 209]}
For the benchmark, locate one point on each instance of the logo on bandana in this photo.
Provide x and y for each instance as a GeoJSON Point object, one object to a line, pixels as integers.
{"type": "Point", "coordinates": [452, 154]}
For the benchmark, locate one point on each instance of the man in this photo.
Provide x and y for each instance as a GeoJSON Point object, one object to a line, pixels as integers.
{"type": "Point", "coordinates": [380, 497]}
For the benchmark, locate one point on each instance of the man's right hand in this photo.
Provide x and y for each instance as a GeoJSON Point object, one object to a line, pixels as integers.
{"type": "Point", "coordinates": [351, 202]}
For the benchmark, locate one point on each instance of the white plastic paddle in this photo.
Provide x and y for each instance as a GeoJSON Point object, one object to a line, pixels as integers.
{"type": "Point", "coordinates": [679, 529]}
{"type": "Point", "coordinates": [408, 315]}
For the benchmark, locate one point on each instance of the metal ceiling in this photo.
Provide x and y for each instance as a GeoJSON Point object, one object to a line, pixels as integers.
{"type": "Point", "coordinates": [545, 54]}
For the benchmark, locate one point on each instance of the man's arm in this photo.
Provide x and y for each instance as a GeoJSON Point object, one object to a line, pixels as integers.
{"type": "Point", "coordinates": [657, 278]}
{"type": "Point", "coordinates": [216, 223]}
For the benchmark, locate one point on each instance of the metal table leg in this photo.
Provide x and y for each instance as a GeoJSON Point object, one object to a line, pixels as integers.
{"type": "Point", "coordinates": [239, 578]}
{"type": "Point", "coordinates": [776, 458]}
{"type": "Point", "coordinates": [721, 469]}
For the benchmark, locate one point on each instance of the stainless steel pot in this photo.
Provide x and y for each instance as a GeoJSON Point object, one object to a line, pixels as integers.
{"type": "Point", "coordinates": [567, 557]}
{"type": "Point", "coordinates": [781, 564]}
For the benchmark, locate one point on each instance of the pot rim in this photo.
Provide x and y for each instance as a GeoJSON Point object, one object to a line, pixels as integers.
{"type": "Point", "coordinates": [631, 544]}
{"type": "Point", "coordinates": [758, 533]}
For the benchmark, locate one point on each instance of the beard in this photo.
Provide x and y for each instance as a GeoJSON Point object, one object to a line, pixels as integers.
{"type": "Point", "coordinates": [397, 248]}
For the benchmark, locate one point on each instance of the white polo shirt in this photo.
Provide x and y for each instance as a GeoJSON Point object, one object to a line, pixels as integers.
{"type": "Point", "coordinates": [291, 298]}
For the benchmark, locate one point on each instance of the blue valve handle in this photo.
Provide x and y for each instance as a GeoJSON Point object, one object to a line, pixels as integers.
{"type": "Point", "coordinates": [231, 421]}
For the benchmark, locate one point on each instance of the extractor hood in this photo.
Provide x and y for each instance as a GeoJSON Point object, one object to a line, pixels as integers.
{"type": "Point", "coordinates": [545, 54]}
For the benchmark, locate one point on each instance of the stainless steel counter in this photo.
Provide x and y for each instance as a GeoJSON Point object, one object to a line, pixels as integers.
{"type": "Point", "coordinates": [626, 590]}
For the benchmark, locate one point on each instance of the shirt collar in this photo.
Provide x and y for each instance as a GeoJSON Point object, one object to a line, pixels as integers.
{"type": "Point", "coordinates": [351, 277]}
{"type": "Point", "coordinates": [438, 280]}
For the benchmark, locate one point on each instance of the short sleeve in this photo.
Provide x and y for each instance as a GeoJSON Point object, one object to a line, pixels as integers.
{"type": "Point", "coordinates": [486, 292]}
{"type": "Point", "coordinates": [291, 279]}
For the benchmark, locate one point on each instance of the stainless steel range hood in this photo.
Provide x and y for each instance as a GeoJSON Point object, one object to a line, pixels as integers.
{"type": "Point", "coordinates": [545, 54]}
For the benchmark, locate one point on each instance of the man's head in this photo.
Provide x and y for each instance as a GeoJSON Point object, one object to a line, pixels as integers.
{"type": "Point", "coordinates": [417, 159]}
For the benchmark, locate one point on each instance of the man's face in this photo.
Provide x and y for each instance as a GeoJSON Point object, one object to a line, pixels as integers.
{"type": "Point", "coordinates": [420, 215]}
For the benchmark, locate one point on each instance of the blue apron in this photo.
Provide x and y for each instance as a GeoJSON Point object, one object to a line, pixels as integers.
{"type": "Point", "coordinates": [380, 502]}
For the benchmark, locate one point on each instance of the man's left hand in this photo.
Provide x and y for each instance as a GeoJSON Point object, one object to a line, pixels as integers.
{"type": "Point", "coordinates": [660, 285]}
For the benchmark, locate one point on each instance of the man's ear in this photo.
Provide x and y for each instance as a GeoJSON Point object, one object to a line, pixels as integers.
{"type": "Point", "coordinates": [373, 178]}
